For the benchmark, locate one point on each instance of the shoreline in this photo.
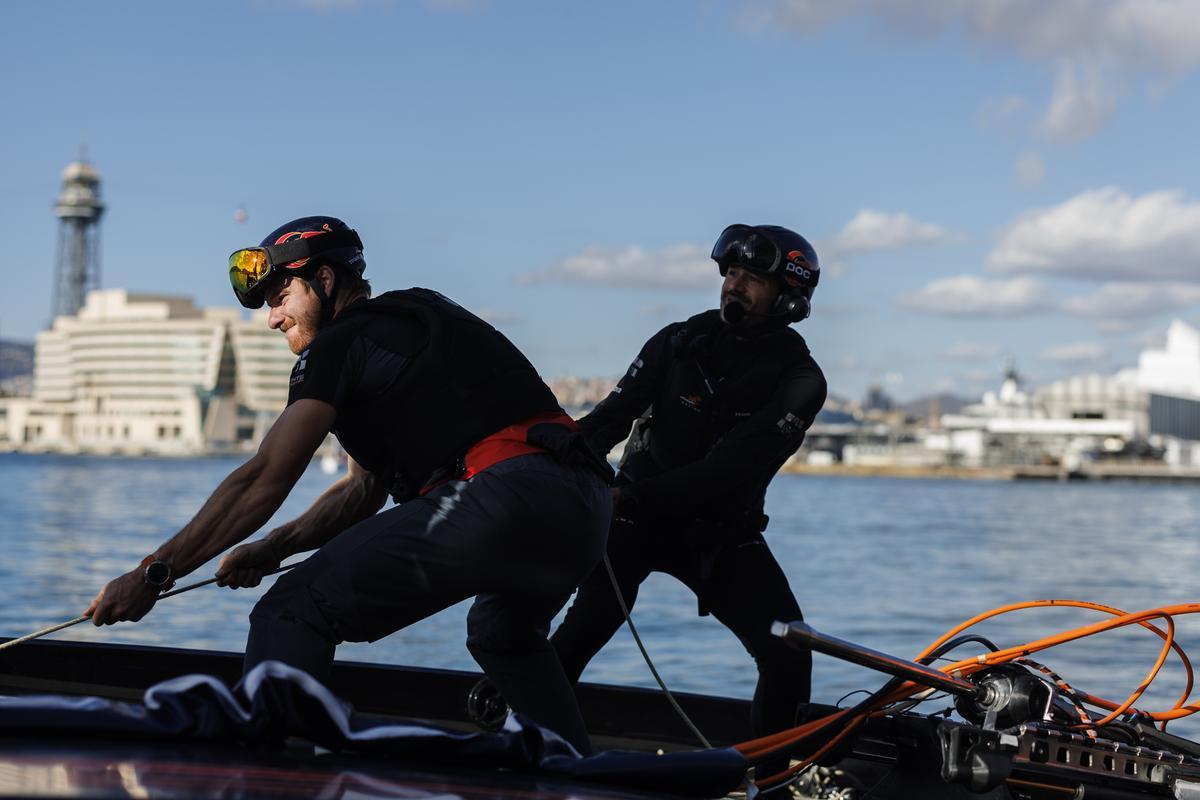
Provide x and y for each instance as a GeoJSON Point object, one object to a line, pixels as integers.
{"type": "Point", "coordinates": [882, 471]}
{"type": "Point", "coordinates": [1088, 472]}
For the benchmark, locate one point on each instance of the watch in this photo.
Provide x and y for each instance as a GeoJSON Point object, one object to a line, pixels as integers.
{"type": "Point", "coordinates": [157, 573]}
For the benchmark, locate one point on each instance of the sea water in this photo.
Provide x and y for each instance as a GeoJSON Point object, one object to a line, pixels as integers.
{"type": "Point", "coordinates": [890, 563]}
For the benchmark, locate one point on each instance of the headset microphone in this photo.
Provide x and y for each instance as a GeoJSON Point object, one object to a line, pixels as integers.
{"type": "Point", "coordinates": [736, 313]}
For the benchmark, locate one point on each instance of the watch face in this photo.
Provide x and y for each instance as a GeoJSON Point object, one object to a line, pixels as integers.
{"type": "Point", "coordinates": [157, 573]}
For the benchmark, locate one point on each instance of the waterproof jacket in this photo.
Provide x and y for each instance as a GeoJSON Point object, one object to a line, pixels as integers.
{"type": "Point", "coordinates": [720, 414]}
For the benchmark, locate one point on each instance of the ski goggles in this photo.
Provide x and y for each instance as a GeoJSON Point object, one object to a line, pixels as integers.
{"type": "Point", "coordinates": [251, 267]}
{"type": "Point", "coordinates": [747, 247]}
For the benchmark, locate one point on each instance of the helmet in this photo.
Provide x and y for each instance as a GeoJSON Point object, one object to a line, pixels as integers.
{"type": "Point", "coordinates": [298, 248]}
{"type": "Point", "coordinates": [349, 258]}
{"type": "Point", "coordinates": [773, 250]}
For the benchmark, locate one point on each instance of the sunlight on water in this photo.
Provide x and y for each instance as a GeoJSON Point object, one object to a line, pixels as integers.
{"type": "Point", "coordinates": [889, 563]}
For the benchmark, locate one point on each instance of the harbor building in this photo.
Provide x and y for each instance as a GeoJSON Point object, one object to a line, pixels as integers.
{"type": "Point", "coordinates": [119, 372]}
{"type": "Point", "coordinates": [1143, 421]}
{"type": "Point", "coordinates": [1147, 412]}
{"type": "Point", "coordinates": [150, 374]}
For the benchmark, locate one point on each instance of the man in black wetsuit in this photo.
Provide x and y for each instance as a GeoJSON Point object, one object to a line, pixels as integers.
{"type": "Point", "coordinates": [499, 498]}
{"type": "Point", "coordinates": [722, 400]}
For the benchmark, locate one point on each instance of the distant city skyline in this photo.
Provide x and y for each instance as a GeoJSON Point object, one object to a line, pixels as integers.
{"type": "Point", "coordinates": [983, 180]}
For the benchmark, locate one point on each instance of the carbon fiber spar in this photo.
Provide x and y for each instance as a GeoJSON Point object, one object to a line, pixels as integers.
{"type": "Point", "coordinates": [803, 635]}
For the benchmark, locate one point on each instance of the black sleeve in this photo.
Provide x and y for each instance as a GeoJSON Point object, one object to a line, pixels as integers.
{"type": "Point", "coordinates": [762, 442]}
{"type": "Point", "coordinates": [326, 371]}
{"type": "Point", "coordinates": [609, 422]}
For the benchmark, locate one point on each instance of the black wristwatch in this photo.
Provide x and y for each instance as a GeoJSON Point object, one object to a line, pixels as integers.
{"type": "Point", "coordinates": [157, 573]}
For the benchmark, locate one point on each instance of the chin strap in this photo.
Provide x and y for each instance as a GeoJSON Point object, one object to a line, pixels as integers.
{"type": "Point", "coordinates": [326, 300]}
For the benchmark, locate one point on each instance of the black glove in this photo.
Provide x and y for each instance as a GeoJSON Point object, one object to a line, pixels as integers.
{"type": "Point", "coordinates": [569, 447]}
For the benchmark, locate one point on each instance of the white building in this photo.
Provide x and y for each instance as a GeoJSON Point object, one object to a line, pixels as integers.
{"type": "Point", "coordinates": [1173, 370]}
{"type": "Point", "coordinates": [1157, 401]}
{"type": "Point", "coordinates": [150, 374]}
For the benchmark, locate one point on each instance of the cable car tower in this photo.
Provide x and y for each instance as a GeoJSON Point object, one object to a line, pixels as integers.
{"type": "Point", "coordinates": [78, 263]}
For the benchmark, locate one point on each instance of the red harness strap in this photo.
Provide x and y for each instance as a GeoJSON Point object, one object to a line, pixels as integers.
{"type": "Point", "coordinates": [502, 445]}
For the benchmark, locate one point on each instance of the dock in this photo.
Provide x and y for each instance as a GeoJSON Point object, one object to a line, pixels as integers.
{"type": "Point", "coordinates": [1116, 471]}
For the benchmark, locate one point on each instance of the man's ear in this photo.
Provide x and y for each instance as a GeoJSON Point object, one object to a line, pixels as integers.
{"type": "Point", "coordinates": [327, 278]}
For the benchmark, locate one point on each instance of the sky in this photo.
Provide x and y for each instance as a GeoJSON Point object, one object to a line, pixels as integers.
{"type": "Point", "coordinates": [983, 180]}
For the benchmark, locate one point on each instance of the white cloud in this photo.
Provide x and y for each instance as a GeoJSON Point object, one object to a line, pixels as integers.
{"type": "Point", "coordinates": [871, 230]}
{"type": "Point", "coordinates": [1095, 38]}
{"type": "Point", "coordinates": [1157, 35]}
{"type": "Point", "coordinates": [1031, 169]}
{"type": "Point", "coordinates": [972, 296]}
{"type": "Point", "coordinates": [1079, 105]}
{"type": "Point", "coordinates": [831, 265]}
{"type": "Point", "coordinates": [1124, 300]}
{"type": "Point", "coordinates": [1079, 353]}
{"type": "Point", "coordinates": [971, 351]}
{"type": "Point", "coordinates": [1001, 112]}
{"type": "Point", "coordinates": [1105, 233]}
{"type": "Point", "coordinates": [682, 266]}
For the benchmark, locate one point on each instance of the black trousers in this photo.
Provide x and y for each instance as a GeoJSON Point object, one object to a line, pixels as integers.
{"type": "Point", "coordinates": [518, 537]}
{"type": "Point", "coordinates": [737, 580]}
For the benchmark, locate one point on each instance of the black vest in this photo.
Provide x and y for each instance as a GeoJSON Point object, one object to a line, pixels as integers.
{"type": "Point", "coordinates": [469, 381]}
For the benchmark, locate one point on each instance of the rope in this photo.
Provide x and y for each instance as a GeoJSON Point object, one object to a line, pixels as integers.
{"type": "Point", "coordinates": [612, 576]}
{"type": "Point", "coordinates": [38, 634]}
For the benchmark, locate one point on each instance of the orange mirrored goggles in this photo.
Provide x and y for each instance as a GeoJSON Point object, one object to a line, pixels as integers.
{"type": "Point", "coordinates": [247, 268]}
{"type": "Point", "coordinates": [250, 267]}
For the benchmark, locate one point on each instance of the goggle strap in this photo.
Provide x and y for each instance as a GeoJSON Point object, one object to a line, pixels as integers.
{"type": "Point", "coordinates": [298, 249]}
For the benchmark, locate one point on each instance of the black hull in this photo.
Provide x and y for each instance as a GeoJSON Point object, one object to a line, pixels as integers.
{"type": "Point", "coordinates": [901, 756]}
{"type": "Point", "coordinates": [623, 717]}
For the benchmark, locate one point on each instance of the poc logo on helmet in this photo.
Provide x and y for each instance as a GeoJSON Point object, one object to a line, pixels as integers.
{"type": "Point", "coordinates": [799, 266]}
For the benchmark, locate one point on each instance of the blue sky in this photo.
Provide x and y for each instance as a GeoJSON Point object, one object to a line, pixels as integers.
{"type": "Point", "coordinates": [983, 179]}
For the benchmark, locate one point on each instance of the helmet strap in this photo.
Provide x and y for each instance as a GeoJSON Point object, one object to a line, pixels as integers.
{"type": "Point", "coordinates": [327, 300]}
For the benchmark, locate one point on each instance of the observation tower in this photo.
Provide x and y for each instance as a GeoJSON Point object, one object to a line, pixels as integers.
{"type": "Point", "coordinates": [77, 267]}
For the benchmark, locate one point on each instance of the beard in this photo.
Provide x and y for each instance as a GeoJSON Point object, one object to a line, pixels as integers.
{"type": "Point", "coordinates": [301, 334]}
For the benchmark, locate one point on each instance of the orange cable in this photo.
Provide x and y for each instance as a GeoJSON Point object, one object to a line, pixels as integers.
{"type": "Point", "coordinates": [781, 741]}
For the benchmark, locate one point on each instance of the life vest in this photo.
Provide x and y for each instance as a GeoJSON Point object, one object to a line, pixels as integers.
{"type": "Point", "coordinates": [467, 383]}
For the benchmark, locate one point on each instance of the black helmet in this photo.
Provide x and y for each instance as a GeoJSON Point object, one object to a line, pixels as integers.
{"type": "Point", "coordinates": [349, 257]}
{"type": "Point", "coordinates": [298, 248]}
{"type": "Point", "coordinates": [777, 251]}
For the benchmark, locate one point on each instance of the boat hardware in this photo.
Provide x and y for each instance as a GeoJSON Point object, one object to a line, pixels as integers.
{"type": "Point", "coordinates": [802, 634]}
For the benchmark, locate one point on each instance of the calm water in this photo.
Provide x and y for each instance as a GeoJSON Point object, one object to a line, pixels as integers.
{"type": "Point", "coordinates": [886, 562]}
